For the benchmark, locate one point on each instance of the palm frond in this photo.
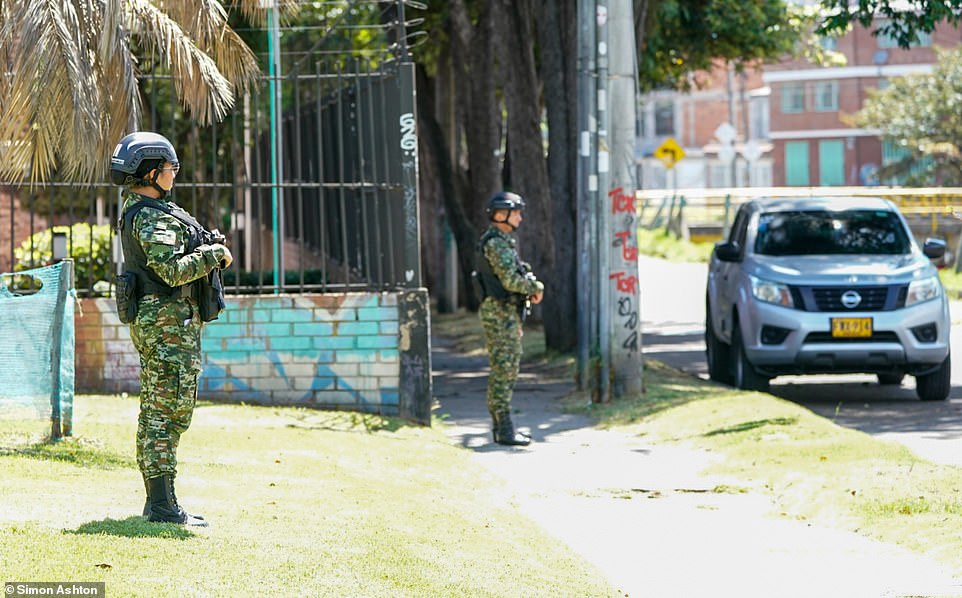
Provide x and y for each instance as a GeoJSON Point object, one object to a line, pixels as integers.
{"type": "Point", "coordinates": [50, 70]}
{"type": "Point", "coordinates": [205, 23]}
{"type": "Point", "coordinates": [201, 87]}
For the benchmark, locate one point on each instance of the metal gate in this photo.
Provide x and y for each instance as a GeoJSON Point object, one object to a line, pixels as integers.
{"type": "Point", "coordinates": [313, 176]}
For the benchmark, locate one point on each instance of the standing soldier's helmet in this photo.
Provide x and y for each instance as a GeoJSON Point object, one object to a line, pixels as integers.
{"type": "Point", "coordinates": [504, 200]}
{"type": "Point", "coordinates": [136, 155]}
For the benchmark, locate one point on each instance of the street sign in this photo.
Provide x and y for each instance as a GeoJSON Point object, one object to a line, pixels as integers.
{"type": "Point", "coordinates": [726, 133]}
{"type": "Point", "coordinates": [669, 152]}
{"type": "Point", "coordinates": [752, 151]}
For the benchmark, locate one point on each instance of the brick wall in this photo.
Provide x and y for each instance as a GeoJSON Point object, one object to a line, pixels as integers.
{"type": "Point", "coordinates": [358, 351]}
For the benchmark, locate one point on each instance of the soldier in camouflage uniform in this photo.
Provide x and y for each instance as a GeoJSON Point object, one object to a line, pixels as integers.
{"type": "Point", "coordinates": [508, 287]}
{"type": "Point", "coordinates": [166, 255]}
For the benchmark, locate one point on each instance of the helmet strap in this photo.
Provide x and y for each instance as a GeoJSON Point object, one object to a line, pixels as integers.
{"type": "Point", "coordinates": [506, 221]}
{"type": "Point", "coordinates": [153, 183]}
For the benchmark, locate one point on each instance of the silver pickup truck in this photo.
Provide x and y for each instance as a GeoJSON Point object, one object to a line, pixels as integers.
{"type": "Point", "coordinates": [816, 286]}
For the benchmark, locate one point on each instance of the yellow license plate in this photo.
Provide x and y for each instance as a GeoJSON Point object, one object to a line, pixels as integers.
{"type": "Point", "coordinates": [851, 327]}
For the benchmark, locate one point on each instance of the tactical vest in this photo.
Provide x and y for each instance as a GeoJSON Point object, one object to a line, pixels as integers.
{"type": "Point", "coordinates": [208, 290]}
{"type": "Point", "coordinates": [490, 283]}
{"type": "Point", "coordinates": [135, 260]}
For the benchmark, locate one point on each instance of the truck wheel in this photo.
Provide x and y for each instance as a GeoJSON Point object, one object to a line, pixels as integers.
{"type": "Point", "coordinates": [746, 377]}
{"type": "Point", "coordinates": [935, 386]}
{"type": "Point", "coordinates": [717, 353]}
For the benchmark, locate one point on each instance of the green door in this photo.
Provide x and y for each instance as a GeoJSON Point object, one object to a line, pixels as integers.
{"type": "Point", "coordinates": [796, 163]}
{"type": "Point", "coordinates": [831, 163]}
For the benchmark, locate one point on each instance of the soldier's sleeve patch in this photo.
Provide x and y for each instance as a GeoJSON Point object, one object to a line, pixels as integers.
{"type": "Point", "coordinates": [162, 236]}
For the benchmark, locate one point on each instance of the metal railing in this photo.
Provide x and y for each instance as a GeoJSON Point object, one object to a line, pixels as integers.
{"type": "Point", "coordinates": [316, 192]}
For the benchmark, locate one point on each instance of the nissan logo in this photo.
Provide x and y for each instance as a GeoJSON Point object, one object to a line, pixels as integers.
{"type": "Point", "coordinates": [851, 299]}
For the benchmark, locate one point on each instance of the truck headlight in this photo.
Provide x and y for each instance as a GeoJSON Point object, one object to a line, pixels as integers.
{"type": "Point", "coordinates": [771, 292]}
{"type": "Point", "coordinates": [923, 290]}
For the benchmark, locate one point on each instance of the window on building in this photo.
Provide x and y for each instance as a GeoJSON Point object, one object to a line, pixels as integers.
{"type": "Point", "coordinates": [796, 163]}
{"type": "Point", "coordinates": [719, 174]}
{"type": "Point", "coordinates": [828, 43]}
{"type": "Point", "coordinates": [758, 121]}
{"type": "Point", "coordinates": [892, 152]}
{"type": "Point", "coordinates": [793, 97]}
{"type": "Point", "coordinates": [886, 41]}
{"type": "Point", "coordinates": [831, 162]}
{"type": "Point", "coordinates": [826, 96]}
{"type": "Point", "coordinates": [664, 117]}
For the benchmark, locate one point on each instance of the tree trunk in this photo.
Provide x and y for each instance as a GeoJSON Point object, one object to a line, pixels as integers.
{"type": "Point", "coordinates": [436, 149]}
{"type": "Point", "coordinates": [479, 113]}
{"type": "Point", "coordinates": [525, 142]}
{"type": "Point", "coordinates": [559, 56]}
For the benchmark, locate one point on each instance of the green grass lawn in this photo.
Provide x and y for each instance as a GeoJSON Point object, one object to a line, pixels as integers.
{"type": "Point", "coordinates": [301, 503]}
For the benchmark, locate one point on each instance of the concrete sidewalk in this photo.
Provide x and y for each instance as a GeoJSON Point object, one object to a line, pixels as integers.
{"type": "Point", "coordinates": [644, 514]}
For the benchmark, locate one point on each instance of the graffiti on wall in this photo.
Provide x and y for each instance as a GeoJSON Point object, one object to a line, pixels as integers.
{"type": "Point", "coordinates": [291, 356]}
{"type": "Point", "coordinates": [625, 274]}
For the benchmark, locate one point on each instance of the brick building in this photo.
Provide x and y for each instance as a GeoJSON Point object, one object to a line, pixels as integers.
{"type": "Point", "coordinates": [787, 121]}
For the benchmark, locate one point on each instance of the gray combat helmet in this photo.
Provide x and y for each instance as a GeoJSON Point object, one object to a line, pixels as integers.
{"type": "Point", "coordinates": [504, 200]}
{"type": "Point", "coordinates": [137, 154]}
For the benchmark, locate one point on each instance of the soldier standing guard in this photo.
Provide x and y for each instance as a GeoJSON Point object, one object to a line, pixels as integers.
{"type": "Point", "coordinates": [508, 287]}
{"type": "Point", "coordinates": [167, 255]}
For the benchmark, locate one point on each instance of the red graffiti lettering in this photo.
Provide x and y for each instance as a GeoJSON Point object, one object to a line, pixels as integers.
{"type": "Point", "coordinates": [621, 201]}
{"type": "Point", "coordinates": [627, 252]}
{"type": "Point", "coordinates": [625, 284]}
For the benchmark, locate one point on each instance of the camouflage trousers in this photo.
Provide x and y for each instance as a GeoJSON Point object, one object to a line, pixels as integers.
{"type": "Point", "coordinates": [502, 339]}
{"type": "Point", "coordinates": [166, 334]}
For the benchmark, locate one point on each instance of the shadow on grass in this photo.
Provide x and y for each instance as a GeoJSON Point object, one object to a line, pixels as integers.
{"type": "Point", "coordinates": [665, 388]}
{"type": "Point", "coordinates": [752, 425]}
{"type": "Point", "coordinates": [77, 451]}
{"type": "Point", "coordinates": [345, 421]}
{"type": "Point", "coordinates": [133, 527]}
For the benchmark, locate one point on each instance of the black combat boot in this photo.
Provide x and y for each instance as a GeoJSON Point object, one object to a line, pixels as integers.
{"type": "Point", "coordinates": [173, 493]}
{"type": "Point", "coordinates": [505, 434]}
{"type": "Point", "coordinates": [164, 508]}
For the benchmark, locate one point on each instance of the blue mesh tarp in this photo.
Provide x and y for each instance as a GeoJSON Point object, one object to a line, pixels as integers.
{"type": "Point", "coordinates": [37, 347]}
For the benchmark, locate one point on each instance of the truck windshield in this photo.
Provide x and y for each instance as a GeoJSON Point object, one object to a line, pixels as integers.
{"type": "Point", "coordinates": [813, 232]}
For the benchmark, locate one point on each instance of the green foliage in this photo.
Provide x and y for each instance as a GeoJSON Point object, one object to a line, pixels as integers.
{"type": "Point", "coordinates": [922, 115]}
{"type": "Point", "coordinates": [902, 23]}
{"type": "Point", "coordinates": [89, 246]}
{"type": "Point", "coordinates": [685, 36]}
{"type": "Point", "coordinates": [658, 242]}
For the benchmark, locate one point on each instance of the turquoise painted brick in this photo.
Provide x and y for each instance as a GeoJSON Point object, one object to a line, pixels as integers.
{"type": "Point", "coordinates": [219, 331]}
{"type": "Point", "coordinates": [356, 328]}
{"type": "Point", "coordinates": [389, 355]}
{"type": "Point", "coordinates": [313, 329]}
{"type": "Point", "coordinates": [292, 315]}
{"type": "Point", "coordinates": [389, 327]}
{"type": "Point", "coordinates": [388, 299]}
{"type": "Point", "coordinates": [376, 342]}
{"type": "Point", "coordinates": [273, 330]}
{"type": "Point", "coordinates": [230, 356]}
{"type": "Point", "coordinates": [288, 343]}
{"type": "Point", "coordinates": [244, 343]}
{"type": "Point", "coordinates": [334, 343]}
{"type": "Point", "coordinates": [243, 315]}
{"type": "Point", "coordinates": [390, 397]}
{"type": "Point", "coordinates": [376, 314]}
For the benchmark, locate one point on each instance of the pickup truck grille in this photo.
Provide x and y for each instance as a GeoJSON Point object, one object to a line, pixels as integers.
{"type": "Point", "coordinates": [873, 298]}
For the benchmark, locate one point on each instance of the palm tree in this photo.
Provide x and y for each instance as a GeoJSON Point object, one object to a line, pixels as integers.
{"type": "Point", "coordinates": [70, 87]}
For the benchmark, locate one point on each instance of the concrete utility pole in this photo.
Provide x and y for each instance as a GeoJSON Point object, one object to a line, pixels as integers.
{"type": "Point", "coordinates": [618, 206]}
{"type": "Point", "coordinates": [609, 318]}
{"type": "Point", "coordinates": [587, 175]}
